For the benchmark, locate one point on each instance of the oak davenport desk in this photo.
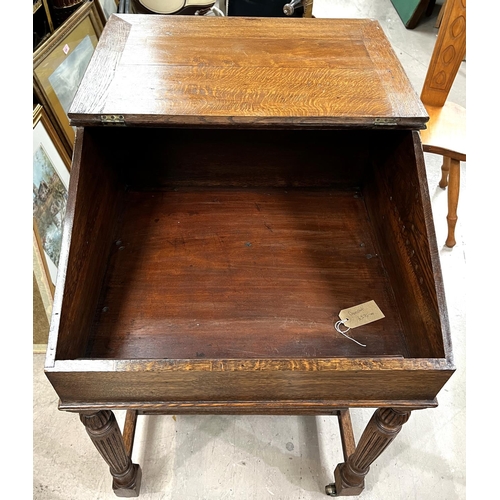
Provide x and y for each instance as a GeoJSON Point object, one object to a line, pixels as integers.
{"type": "Point", "coordinates": [236, 184]}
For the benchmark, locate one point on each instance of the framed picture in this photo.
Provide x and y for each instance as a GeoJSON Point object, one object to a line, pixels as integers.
{"type": "Point", "coordinates": [60, 62]}
{"type": "Point", "coordinates": [51, 164]}
{"type": "Point", "coordinates": [43, 297]}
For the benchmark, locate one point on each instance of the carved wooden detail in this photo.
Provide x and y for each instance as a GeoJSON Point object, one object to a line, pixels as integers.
{"type": "Point", "coordinates": [105, 434]}
{"type": "Point", "coordinates": [447, 56]}
{"type": "Point", "coordinates": [381, 430]}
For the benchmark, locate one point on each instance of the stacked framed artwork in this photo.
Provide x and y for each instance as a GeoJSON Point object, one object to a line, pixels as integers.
{"type": "Point", "coordinates": [58, 66]}
{"type": "Point", "coordinates": [51, 166]}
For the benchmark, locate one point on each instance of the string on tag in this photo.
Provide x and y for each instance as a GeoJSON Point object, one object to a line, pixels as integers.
{"type": "Point", "coordinates": [338, 327]}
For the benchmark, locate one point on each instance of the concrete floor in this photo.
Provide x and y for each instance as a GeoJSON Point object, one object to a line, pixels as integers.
{"type": "Point", "coordinates": [281, 458]}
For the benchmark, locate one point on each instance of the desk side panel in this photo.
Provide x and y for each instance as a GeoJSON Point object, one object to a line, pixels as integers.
{"type": "Point", "coordinates": [93, 201]}
{"type": "Point", "coordinates": [398, 202]}
{"type": "Point", "coordinates": [357, 387]}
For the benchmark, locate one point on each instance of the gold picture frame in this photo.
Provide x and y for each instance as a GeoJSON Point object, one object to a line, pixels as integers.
{"type": "Point", "coordinates": [51, 172]}
{"type": "Point", "coordinates": [43, 299]}
{"type": "Point", "coordinates": [59, 64]}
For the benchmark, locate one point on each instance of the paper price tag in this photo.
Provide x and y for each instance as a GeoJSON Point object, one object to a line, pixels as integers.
{"type": "Point", "coordinates": [361, 315]}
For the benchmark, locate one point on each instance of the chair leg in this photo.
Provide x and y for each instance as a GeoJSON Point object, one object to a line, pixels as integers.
{"type": "Point", "coordinates": [453, 190]}
{"type": "Point", "coordinates": [445, 170]}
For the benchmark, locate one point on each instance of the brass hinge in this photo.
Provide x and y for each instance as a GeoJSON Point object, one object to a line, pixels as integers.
{"type": "Point", "coordinates": [386, 121]}
{"type": "Point", "coordinates": [113, 120]}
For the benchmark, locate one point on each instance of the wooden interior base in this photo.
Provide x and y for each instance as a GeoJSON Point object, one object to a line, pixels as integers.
{"type": "Point", "coordinates": [224, 273]}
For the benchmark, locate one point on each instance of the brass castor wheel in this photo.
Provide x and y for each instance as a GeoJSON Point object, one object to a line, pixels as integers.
{"type": "Point", "coordinates": [331, 490]}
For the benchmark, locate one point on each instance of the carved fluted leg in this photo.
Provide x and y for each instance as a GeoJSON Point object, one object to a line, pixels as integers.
{"type": "Point", "coordinates": [383, 427]}
{"type": "Point", "coordinates": [105, 434]}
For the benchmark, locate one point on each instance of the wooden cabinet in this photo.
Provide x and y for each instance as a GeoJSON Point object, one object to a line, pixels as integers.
{"type": "Point", "coordinates": [236, 183]}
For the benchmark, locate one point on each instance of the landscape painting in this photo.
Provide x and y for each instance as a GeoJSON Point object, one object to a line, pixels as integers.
{"type": "Point", "coordinates": [49, 206]}
{"type": "Point", "coordinates": [59, 64]}
{"type": "Point", "coordinates": [68, 75]}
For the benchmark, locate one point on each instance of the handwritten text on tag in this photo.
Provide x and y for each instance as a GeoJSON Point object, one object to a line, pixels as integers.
{"type": "Point", "coordinates": [361, 314]}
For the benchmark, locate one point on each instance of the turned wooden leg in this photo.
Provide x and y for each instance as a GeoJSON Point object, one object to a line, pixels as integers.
{"type": "Point", "coordinates": [105, 434]}
{"type": "Point", "coordinates": [383, 427]}
{"type": "Point", "coordinates": [453, 190]}
{"type": "Point", "coordinates": [445, 170]}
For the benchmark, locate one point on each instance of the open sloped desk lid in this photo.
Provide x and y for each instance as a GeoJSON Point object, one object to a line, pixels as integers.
{"type": "Point", "coordinates": [216, 71]}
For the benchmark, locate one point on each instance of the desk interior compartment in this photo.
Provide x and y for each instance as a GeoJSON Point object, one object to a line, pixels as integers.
{"type": "Point", "coordinates": [238, 243]}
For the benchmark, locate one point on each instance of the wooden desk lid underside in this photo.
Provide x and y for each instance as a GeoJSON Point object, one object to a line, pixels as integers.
{"type": "Point", "coordinates": [187, 70]}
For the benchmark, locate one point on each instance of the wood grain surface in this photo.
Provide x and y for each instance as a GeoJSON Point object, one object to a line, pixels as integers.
{"type": "Point", "coordinates": [243, 273]}
{"type": "Point", "coordinates": [446, 131]}
{"type": "Point", "coordinates": [399, 206]}
{"type": "Point", "coordinates": [209, 265]}
{"type": "Point", "coordinates": [447, 56]}
{"type": "Point", "coordinates": [253, 194]}
{"type": "Point", "coordinates": [247, 71]}
{"type": "Point", "coordinates": [156, 384]}
{"type": "Point", "coordinates": [255, 188]}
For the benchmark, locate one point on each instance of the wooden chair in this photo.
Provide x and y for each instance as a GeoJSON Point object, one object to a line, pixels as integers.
{"type": "Point", "coordinates": [445, 134]}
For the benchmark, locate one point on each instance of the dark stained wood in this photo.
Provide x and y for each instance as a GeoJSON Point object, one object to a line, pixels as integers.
{"type": "Point", "coordinates": [84, 251]}
{"type": "Point", "coordinates": [383, 427]}
{"type": "Point", "coordinates": [105, 434]}
{"type": "Point", "coordinates": [347, 435]}
{"type": "Point", "coordinates": [256, 265]}
{"type": "Point", "coordinates": [398, 202]}
{"type": "Point", "coordinates": [254, 71]}
{"type": "Point", "coordinates": [283, 407]}
{"type": "Point", "coordinates": [212, 240]}
{"type": "Point", "coordinates": [257, 273]}
{"type": "Point", "coordinates": [129, 431]}
{"type": "Point", "coordinates": [153, 158]}
{"type": "Point", "coordinates": [365, 383]}
{"type": "Point", "coordinates": [247, 259]}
